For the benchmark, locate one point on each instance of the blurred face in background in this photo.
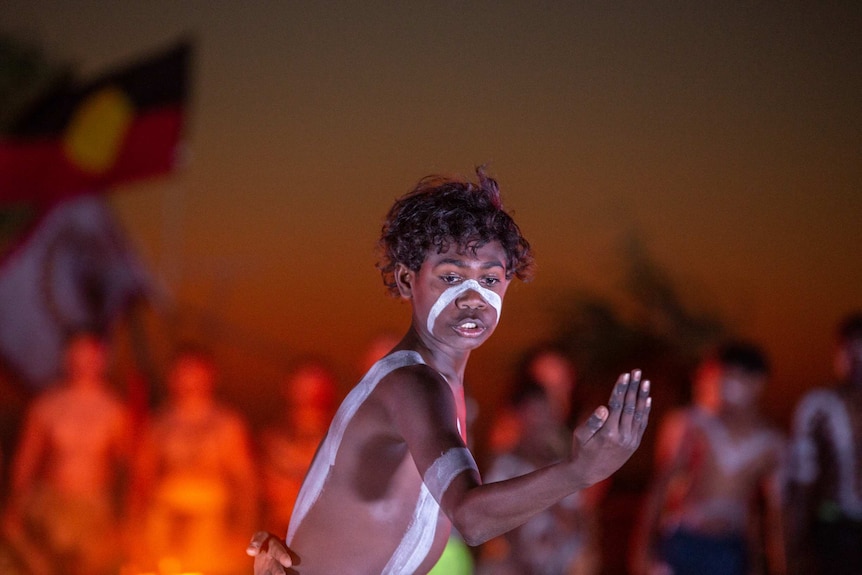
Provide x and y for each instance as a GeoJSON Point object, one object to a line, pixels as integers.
{"type": "Point", "coordinates": [310, 392]}
{"type": "Point", "coordinates": [556, 374]}
{"type": "Point", "coordinates": [848, 361]}
{"type": "Point", "coordinates": [192, 378]}
{"type": "Point", "coordinates": [718, 386]}
{"type": "Point", "coordinates": [740, 388]}
{"type": "Point", "coordinates": [86, 358]}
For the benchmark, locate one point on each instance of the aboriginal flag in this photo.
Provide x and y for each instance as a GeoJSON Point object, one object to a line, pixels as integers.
{"type": "Point", "coordinates": [65, 263]}
{"type": "Point", "coordinates": [122, 126]}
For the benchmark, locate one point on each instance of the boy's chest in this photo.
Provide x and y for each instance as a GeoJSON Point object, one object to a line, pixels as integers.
{"type": "Point", "coordinates": [736, 454]}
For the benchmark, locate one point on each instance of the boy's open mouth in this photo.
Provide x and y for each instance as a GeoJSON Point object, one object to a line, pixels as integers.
{"type": "Point", "coordinates": [469, 328]}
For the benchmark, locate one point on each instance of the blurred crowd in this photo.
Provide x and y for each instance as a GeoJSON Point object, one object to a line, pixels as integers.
{"type": "Point", "coordinates": [94, 488]}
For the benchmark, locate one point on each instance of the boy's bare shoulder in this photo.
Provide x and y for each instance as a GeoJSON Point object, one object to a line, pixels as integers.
{"type": "Point", "coordinates": [412, 385]}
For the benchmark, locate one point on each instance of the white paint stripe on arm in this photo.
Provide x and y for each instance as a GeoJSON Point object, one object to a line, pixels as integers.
{"type": "Point", "coordinates": [447, 467]}
{"type": "Point", "coordinates": [826, 406]}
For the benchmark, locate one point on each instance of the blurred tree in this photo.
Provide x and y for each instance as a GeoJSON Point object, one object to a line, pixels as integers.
{"type": "Point", "coordinates": [26, 76]}
{"type": "Point", "coordinates": [649, 326]}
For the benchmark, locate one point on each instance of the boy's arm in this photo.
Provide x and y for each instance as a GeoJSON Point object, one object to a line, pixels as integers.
{"type": "Point", "coordinates": [425, 416]}
{"type": "Point", "coordinates": [32, 450]}
{"type": "Point", "coordinates": [801, 481]}
{"type": "Point", "coordinates": [774, 532]}
{"type": "Point", "coordinates": [672, 454]}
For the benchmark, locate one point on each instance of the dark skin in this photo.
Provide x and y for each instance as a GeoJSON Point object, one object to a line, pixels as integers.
{"type": "Point", "coordinates": [73, 440]}
{"type": "Point", "coordinates": [417, 413]}
{"type": "Point", "coordinates": [689, 477]}
{"type": "Point", "coordinates": [803, 499]}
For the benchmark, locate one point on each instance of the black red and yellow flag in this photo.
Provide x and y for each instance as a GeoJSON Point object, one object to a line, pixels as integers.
{"type": "Point", "coordinates": [65, 263]}
{"type": "Point", "coordinates": [125, 125]}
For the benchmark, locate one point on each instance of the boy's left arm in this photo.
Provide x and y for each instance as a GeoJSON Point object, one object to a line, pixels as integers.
{"type": "Point", "coordinates": [673, 459]}
{"type": "Point", "coordinates": [776, 552]}
{"type": "Point", "coordinates": [480, 512]}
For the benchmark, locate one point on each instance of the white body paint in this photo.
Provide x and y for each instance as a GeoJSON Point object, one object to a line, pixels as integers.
{"type": "Point", "coordinates": [447, 297]}
{"type": "Point", "coordinates": [733, 456]}
{"type": "Point", "coordinates": [417, 541]}
{"type": "Point", "coordinates": [826, 407]}
{"type": "Point", "coordinates": [419, 537]}
{"type": "Point", "coordinates": [446, 468]}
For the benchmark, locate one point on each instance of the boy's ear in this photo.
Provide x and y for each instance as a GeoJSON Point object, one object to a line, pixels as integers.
{"type": "Point", "coordinates": [404, 277]}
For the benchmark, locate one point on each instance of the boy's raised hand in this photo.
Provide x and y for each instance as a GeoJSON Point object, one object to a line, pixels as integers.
{"type": "Point", "coordinates": [611, 435]}
{"type": "Point", "coordinates": [271, 556]}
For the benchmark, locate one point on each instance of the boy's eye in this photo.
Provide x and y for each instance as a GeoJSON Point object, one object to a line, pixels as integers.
{"type": "Point", "coordinates": [491, 281]}
{"type": "Point", "coordinates": [450, 278]}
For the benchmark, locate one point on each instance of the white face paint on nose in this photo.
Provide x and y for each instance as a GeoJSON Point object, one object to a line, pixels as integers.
{"type": "Point", "coordinates": [447, 297]}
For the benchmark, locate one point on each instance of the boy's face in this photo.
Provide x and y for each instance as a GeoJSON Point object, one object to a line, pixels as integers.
{"type": "Point", "coordinates": [86, 357]}
{"type": "Point", "coordinates": [741, 388]}
{"type": "Point", "coordinates": [848, 360]}
{"type": "Point", "coordinates": [728, 386]}
{"type": "Point", "coordinates": [457, 297]}
{"type": "Point", "coordinates": [192, 377]}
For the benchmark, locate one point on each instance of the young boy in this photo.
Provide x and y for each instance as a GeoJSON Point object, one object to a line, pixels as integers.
{"type": "Point", "coordinates": [193, 460]}
{"type": "Point", "coordinates": [393, 474]}
{"type": "Point", "coordinates": [824, 491]}
{"type": "Point", "coordinates": [68, 469]}
{"type": "Point", "coordinates": [712, 460]}
{"type": "Point", "coordinates": [310, 392]}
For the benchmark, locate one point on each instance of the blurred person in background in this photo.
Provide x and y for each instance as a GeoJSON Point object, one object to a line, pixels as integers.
{"type": "Point", "coordinates": [714, 461]}
{"type": "Point", "coordinates": [562, 540]}
{"type": "Point", "coordinates": [824, 491]}
{"type": "Point", "coordinates": [66, 477]}
{"type": "Point", "coordinates": [549, 368]}
{"type": "Point", "coordinates": [310, 397]}
{"type": "Point", "coordinates": [194, 495]}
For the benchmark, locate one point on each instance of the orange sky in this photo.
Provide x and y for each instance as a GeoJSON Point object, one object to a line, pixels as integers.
{"type": "Point", "coordinates": [729, 139]}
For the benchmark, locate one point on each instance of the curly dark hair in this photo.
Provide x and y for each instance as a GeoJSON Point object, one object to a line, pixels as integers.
{"type": "Point", "coordinates": [441, 211]}
{"type": "Point", "coordinates": [850, 328]}
{"type": "Point", "coordinates": [742, 354]}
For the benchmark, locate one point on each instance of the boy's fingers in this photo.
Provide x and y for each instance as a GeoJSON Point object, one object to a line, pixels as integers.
{"type": "Point", "coordinates": [588, 429]}
{"type": "Point", "coordinates": [644, 401]}
{"type": "Point", "coordinates": [265, 564]}
{"type": "Point", "coordinates": [618, 395]}
{"type": "Point", "coordinates": [642, 413]}
{"type": "Point", "coordinates": [279, 552]}
{"type": "Point", "coordinates": [257, 541]}
{"type": "Point", "coordinates": [630, 403]}
{"type": "Point", "coordinates": [263, 543]}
